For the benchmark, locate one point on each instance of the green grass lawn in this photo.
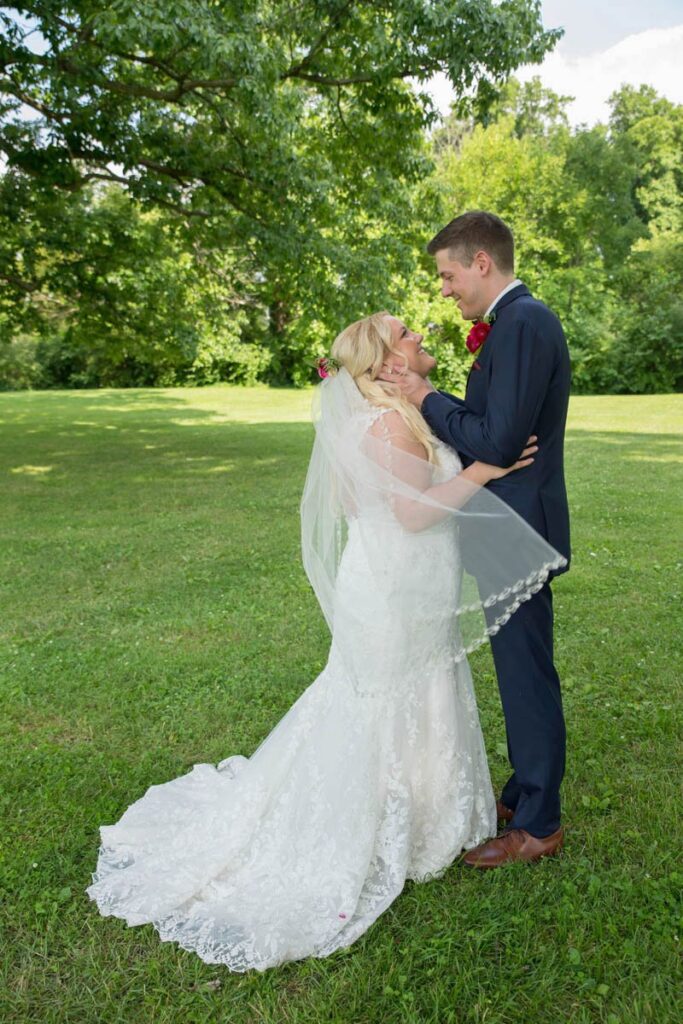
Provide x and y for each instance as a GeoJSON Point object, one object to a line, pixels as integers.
{"type": "Point", "coordinates": [155, 614]}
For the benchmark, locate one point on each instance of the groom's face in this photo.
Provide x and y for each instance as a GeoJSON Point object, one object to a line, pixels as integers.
{"type": "Point", "coordinates": [465, 285]}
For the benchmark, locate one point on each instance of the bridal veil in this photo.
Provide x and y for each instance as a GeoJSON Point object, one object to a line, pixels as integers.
{"type": "Point", "coordinates": [358, 477]}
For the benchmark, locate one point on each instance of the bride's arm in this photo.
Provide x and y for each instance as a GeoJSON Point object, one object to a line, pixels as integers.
{"type": "Point", "coordinates": [408, 462]}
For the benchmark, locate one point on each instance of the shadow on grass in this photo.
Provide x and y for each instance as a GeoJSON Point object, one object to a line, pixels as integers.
{"type": "Point", "coordinates": [637, 446]}
{"type": "Point", "coordinates": [176, 434]}
{"type": "Point", "coordinates": [199, 402]}
{"type": "Point", "coordinates": [161, 447]}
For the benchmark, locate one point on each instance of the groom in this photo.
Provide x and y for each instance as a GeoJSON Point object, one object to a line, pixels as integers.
{"type": "Point", "coordinates": [517, 386]}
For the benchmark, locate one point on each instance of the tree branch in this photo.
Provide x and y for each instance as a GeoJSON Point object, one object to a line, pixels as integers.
{"type": "Point", "coordinates": [29, 287]}
{"type": "Point", "coordinates": [351, 80]}
{"type": "Point", "coordinates": [341, 114]}
{"type": "Point", "coordinates": [320, 41]}
{"type": "Point", "coordinates": [8, 86]}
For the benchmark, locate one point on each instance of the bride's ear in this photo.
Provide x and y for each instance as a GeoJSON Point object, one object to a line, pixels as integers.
{"type": "Point", "coordinates": [373, 372]}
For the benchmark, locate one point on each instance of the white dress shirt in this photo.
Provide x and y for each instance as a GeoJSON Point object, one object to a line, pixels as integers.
{"type": "Point", "coordinates": [506, 289]}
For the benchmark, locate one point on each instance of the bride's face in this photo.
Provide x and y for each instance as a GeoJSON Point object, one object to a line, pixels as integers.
{"type": "Point", "coordinates": [409, 344]}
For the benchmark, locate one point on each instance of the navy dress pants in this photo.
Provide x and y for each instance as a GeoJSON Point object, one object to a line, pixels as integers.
{"type": "Point", "coordinates": [530, 693]}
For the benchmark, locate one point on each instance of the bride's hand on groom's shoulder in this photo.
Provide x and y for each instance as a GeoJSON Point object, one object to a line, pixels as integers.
{"type": "Point", "coordinates": [414, 387]}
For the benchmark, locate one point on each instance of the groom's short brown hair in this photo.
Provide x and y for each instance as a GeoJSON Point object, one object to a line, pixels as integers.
{"type": "Point", "coordinates": [470, 232]}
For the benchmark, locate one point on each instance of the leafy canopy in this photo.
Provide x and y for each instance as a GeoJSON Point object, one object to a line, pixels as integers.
{"type": "Point", "coordinates": [269, 115]}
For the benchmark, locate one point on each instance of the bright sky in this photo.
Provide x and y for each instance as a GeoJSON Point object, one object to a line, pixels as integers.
{"type": "Point", "coordinates": [606, 43]}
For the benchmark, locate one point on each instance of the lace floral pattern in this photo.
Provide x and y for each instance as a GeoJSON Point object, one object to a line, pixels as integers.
{"type": "Point", "coordinates": [375, 775]}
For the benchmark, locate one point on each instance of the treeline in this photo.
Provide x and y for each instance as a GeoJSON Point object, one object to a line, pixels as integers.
{"type": "Point", "coordinates": [598, 221]}
{"type": "Point", "coordinates": [162, 224]}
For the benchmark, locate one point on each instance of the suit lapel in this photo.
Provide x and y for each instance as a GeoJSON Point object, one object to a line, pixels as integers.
{"type": "Point", "coordinates": [482, 355]}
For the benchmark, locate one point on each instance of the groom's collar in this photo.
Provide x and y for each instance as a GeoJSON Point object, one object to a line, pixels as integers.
{"type": "Point", "coordinates": [513, 291]}
{"type": "Point", "coordinates": [499, 296]}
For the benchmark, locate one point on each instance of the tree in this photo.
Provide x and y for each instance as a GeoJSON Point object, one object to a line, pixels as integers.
{"type": "Point", "coordinates": [287, 133]}
{"type": "Point", "coordinates": [598, 225]}
{"type": "Point", "coordinates": [647, 130]}
{"type": "Point", "coordinates": [536, 110]}
{"type": "Point", "coordinates": [244, 105]}
{"type": "Point", "coordinates": [99, 291]}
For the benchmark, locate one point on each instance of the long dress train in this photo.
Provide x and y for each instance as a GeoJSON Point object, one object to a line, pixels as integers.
{"type": "Point", "coordinates": [376, 774]}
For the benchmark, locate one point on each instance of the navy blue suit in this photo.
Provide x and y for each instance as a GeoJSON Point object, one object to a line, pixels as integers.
{"type": "Point", "coordinates": [518, 386]}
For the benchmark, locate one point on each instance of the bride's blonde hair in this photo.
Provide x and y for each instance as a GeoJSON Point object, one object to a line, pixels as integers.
{"type": "Point", "coordinates": [362, 348]}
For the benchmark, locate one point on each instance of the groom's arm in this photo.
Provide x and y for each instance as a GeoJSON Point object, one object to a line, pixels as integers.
{"type": "Point", "coordinates": [463, 456]}
{"type": "Point", "coordinates": [453, 398]}
{"type": "Point", "coordinates": [521, 368]}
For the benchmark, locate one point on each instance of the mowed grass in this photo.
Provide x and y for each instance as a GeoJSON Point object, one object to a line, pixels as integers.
{"type": "Point", "coordinates": [155, 614]}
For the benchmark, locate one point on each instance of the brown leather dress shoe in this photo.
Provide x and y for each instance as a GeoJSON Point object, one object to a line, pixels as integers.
{"type": "Point", "coordinates": [504, 813]}
{"type": "Point", "coordinates": [516, 844]}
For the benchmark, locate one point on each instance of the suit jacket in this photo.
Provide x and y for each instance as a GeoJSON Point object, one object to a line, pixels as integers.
{"type": "Point", "coordinates": [517, 386]}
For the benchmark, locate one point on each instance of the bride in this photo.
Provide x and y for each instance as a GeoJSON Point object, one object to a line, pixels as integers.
{"type": "Point", "coordinates": [378, 772]}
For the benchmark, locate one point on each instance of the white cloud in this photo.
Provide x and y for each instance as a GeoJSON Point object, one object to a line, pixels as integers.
{"type": "Point", "coordinates": [646, 58]}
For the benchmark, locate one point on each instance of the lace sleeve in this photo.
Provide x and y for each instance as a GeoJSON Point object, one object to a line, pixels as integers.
{"type": "Point", "coordinates": [414, 499]}
{"type": "Point", "coordinates": [390, 429]}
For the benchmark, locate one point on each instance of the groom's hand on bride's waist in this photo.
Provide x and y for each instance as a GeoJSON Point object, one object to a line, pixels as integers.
{"type": "Point", "coordinates": [414, 387]}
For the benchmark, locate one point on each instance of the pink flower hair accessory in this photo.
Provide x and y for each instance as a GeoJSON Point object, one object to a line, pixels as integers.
{"type": "Point", "coordinates": [326, 366]}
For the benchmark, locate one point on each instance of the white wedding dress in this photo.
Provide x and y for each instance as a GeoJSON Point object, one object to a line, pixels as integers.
{"type": "Point", "coordinates": [377, 774]}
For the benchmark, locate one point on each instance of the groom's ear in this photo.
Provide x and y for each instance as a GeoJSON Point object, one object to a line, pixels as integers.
{"type": "Point", "coordinates": [483, 262]}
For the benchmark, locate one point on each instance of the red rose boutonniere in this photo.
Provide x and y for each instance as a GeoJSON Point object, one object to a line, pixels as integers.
{"type": "Point", "coordinates": [477, 336]}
